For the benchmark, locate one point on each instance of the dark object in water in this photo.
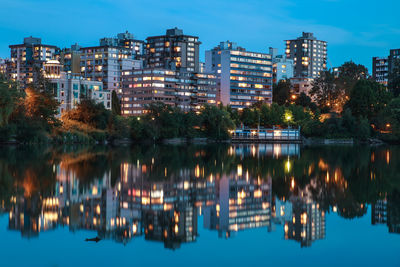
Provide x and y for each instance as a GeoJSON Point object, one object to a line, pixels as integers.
{"type": "Point", "coordinates": [96, 239]}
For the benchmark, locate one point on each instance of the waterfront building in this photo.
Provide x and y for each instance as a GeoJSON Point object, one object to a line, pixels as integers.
{"type": "Point", "coordinates": [186, 90]}
{"type": "Point", "coordinates": [309, 55]}
{"type": "Point", "coordinates": [244, 77]}
{"type": "Point", "coordinates": [282, 67]}
{"type": "Point", "coordinates": [174, 51]}
{"type": "Point", "coordinates": [26, 57]}
{"type": "Point", "coordinates": [69, 89]}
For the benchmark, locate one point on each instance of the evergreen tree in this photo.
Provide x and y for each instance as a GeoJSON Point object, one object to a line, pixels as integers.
{"type": "Point", "coordinates": [115, 104]}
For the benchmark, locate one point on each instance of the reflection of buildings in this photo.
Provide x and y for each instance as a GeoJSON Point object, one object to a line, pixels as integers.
{"type": "Point", "coordinates": [386, 211]}
{"type": "Point", "coordinates": [307, 223]}
{"type": "Point", "coordinates": [241, 203]}
{"type": "Point", "coordinates": [274, 150]}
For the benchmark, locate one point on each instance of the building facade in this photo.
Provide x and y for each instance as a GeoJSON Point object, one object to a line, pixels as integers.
{"type": "Point", "coordinates": [128, 41]}
{"type": "Point", "coordinates": [394, 56]}
{"type": "Point", "coordinates": [106, 64]}
{"type": "Point", "coordinates": [380, 70]}
{"type": "Point", "coordinates": [70, 58]}
{"type": "Point", "coordinates": [309, 55]}
{"type": "Point", "coordinates": [174, 51]}
{"type": "Point", "coordinates": [282, 67]}
{"type": "Point", "coordinates": [70, 89]}
{"type": "Point", "coordinates": [3, 66]}
{"type": "Point", "coordinates": [244, 78]}
{"type": "Point", "coordinates": [185, 90]}
{"type": "Point", "coordinates": [28, 56]}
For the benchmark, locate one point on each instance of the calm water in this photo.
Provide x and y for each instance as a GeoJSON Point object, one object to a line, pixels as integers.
{"type": "Point", "coordinates": [219, 205]}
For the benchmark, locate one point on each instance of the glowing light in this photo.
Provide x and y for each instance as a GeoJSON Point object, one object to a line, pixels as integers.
{"type": "Point", "coordinates": [288, 166]}
{"type": "Point", "coordinates": [239, 170]}
{"type": "Point", "coordinates": [98, 209]}
{"type": "Point", "coordinates": [176, 228]}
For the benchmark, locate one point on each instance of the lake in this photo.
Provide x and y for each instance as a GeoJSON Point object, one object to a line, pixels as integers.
{"type": "Point", "coordinates": [200, 205]}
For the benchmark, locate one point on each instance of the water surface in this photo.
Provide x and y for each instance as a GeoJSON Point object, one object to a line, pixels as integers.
{"type": "Point", "coordinates": [215, 205]}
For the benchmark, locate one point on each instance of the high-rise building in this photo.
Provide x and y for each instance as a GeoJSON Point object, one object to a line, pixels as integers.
{"type": "Point", "coordinates": [3, 66]}
{"type": "Point", "coordinates": [174, 51]}
{"type": "Point", "coordinates": [380, 70]}
{"type": "Point", "coordinates": [186, 90]}
{"type": "Point", "coordinates": [126, 40]}
{"type": "Point", "coordinates": [282, 67]}
{"type": "Point", "coordinates": [106, 64]}
{"type": "Point", "coordinates": [27, 56]}
{"type": "Point", "coordinates": [383, 67]}
{"type": "Point", "coordinates": [309, 55]}
{"type": "Point", "coordinates": [394, 56]}
{"type": "Point", "coordinates": [244, 77]}
{"type": "Point", "coordinates": [70, 58]}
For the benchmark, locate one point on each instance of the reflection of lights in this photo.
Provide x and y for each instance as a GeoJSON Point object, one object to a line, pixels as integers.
{"type": "Point", "coordinates": [292, 183]}
{"type": "Point", "coordinates": [186, 185]}
{"type": "Point", "coordinates": [176, 228]}
{"type": "Point", "coordinates": [239, 170]}
{"type": "Point", "coordinates": [387, 156]}
{"type": "Point", "coordinates": [288, 165]}
{"type": "Point", "coordinates": [81, 208]}
{"type": "Point", "coordinates": [98, 209]}
{"type": "Point", "coordinates": [303, 218]}
{"type": "Point", "coordinates": [257, 193]}
{"type": "Point", "coordinates": [286, 228]}
{"type": "Point", "coordinates": [94, 190]}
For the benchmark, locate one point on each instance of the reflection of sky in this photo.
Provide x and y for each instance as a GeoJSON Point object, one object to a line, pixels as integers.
{"type": "Point", "coordinates": [348, 242]}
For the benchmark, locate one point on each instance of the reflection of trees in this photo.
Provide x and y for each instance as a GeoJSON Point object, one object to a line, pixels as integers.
{"type": "Point", "coordinates": [346, 177]}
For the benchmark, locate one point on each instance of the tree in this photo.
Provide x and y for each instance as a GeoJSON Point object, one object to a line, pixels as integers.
{"type": "Point", "coordinates": [216, 122]}
{"type": "Point", "coordinates": [367, 99]}
{"type": "Point", "coordinates": [326, 93]}
{"type": "Point", "coordinates": [115, 104]}
{"type": "Point", "coordinates": [41, 107]}
{"type": "Point", "coordinates": [349, 74]}
{"type": "Point", "coordinates": [91, 113]}
{"type": "Point", "coordinates": [8, 100]}
{"type": "Point", "coordinates": [281, 92]}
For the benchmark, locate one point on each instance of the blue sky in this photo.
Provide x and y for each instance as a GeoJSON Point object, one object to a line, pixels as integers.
{"type": "Point", "coordinates": [354, 29]}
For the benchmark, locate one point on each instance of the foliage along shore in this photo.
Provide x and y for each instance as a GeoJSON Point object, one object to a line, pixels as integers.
{"type": "Point", "coordinates": [347, 106]}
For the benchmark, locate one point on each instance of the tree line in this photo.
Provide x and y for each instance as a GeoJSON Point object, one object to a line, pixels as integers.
{"type": "Point", "coordinates": [345, 104]}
